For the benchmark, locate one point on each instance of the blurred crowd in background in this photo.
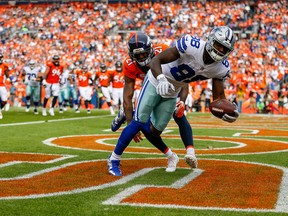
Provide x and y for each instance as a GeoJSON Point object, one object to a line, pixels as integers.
{"type": "Point", "coordinates": [90, 34]}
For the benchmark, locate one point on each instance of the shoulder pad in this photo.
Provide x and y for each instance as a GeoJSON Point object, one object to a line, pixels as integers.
{"type": "Point", "coordinates": [49, 63]}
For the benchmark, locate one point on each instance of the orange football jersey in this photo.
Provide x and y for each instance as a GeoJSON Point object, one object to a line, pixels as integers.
{"type": "Point", "coordinates": [104, 78]}
{"type": "Point", "coordinates": [138, 84]}
{"type": "Point", "coordinates": [54, 73]}
{"type": "Point", "coordinates": [131, 68]}
{"type": "Point", "coordinates": [83, 78]}
{"type": "Point", "coordinates": [3, 68]}
{"type": "Point", "coordinates": [117, 79]}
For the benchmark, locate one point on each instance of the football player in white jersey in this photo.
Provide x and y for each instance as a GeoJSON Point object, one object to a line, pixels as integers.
{"type": "Point", "coordinates": [191, 60]}
{"type": "Point", "coordinates": [63, 97]}
{"type": "Point", "coordinates": [31, 75]}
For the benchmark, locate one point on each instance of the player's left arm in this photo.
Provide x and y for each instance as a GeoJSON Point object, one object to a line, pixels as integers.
{"type": "Point", "coordinates": [218, 89]}
{"type": "Point", "coordinates": [219, 93]}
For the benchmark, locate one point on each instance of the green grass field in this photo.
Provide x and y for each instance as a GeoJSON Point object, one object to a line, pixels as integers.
{"type": "Point", "coordinates": [25, 133]}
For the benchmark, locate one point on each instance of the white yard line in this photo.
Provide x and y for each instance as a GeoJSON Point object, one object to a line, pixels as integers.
{"type": "Point", "coordinates": [52, 120]}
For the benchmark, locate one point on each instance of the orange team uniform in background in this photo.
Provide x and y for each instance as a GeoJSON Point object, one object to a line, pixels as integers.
{"type": "Point", "coordinates": [54, 73]}
{"type": "Point", "coordinates": [118, 79]}
{"type": "Point", "coordinates": [131, 69]}
{"type": "Point", "coordinates": [104, 78]}
{"type": "Point", "coordinates": [83, 78]}
{"type": "Point", "coordinates": [3, 68]}
{"type": "Point", "coordinates": [138, 84]}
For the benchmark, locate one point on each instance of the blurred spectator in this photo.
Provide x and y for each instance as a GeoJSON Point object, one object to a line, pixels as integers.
{"type": "Point", "coordinates": [240, 98]}
{"type": "Point", "coordinates": [92, 33]}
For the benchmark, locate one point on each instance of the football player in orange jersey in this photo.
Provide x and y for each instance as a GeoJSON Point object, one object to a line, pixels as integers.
{"type": "Point", "coordinates": [4, 74]}
{"type": "Point", "coordinates": [104, 78]}
{"type": "Point", "coordinates": [50, 81]}
{"type": "Point", "coordinates": [83, 76]}
{"type": "Point", "coordinates": [117, 77]}
{"type": "Point", "coordinates": [141, 53]}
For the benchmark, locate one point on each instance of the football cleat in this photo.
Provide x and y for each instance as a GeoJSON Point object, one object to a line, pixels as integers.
{"type": "Point", "coordinates": [172, 163]}
{"type": "Point", "coordinates": [191, 160]}
{"type": "Point", "coordinates": [44, 112]}
{"type": "Point", "coordinates": [1, 116]}
{"type": "Point", "coordinates": [118, 120]}
{"type": "Point", "coordinates": [36, 112]}
{"type": "Point", "coordinates": [7, 107]}
{"type": "Point", "coordinates": [51, 111]}
{"type": "Point", "coordinates": [77, 111]}
{"type": "Point", "coordinates": [27, 109]}
{"type": "Point", "coordinates": [114, 167]}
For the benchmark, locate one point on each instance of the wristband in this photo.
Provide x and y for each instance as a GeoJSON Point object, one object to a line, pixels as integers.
{"type": "Point", "coordinates": [161, 76]}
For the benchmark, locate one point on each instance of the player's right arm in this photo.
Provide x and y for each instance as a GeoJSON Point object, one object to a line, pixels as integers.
{"type": "Point", "coordinates": [168, 55]}
{"type": "Point", "coordinates": [128, 95]}
{"type": "Point", "coordinates": [48, 65]}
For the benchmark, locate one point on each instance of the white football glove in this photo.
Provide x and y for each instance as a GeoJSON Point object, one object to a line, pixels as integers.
{"type": "Point", "coordinates": [229, 118]}
{"type": "Point", "coordinates": [163, 85]}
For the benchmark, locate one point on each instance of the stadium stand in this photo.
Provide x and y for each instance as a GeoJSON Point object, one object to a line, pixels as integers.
{"type": "Point", "coordinates": [92, 32]}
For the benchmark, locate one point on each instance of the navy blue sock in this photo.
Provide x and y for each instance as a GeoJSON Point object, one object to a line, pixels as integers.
{"type": "Point", "coordinates": [154, 139]}
{"type": "Point", "coordinates": [54, 101]}
{"type": "Point", "coordinates": [28, 101]}
{"type": "Point", "coordinates": [127, 135]}
{"type": "Point", "coordinates": [185, 130]}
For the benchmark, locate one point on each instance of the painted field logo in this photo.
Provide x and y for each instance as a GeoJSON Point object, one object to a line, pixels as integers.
{"type": "Point", "coordinates": [217, 184]}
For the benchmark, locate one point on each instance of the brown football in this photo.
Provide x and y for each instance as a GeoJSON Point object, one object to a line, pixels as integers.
{"type": "Point", "coordinates": [222, 106]}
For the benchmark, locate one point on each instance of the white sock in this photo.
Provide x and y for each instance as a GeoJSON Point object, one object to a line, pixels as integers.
{"type": "Point", "coordinates": [190, 151]}
{"type": "Point", "coordinates": [115, 156]}
{"type": "Point", "coordinates": [169, 153]}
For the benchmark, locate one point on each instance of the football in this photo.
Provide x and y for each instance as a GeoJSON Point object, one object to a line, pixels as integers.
{"type": "Point", "coordinates": [222, 106]}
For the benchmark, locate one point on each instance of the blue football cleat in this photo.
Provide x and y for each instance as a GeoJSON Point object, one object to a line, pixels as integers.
{"type": "Point", "coordinates": [114, 167]}
{"type": "Point", "coordinates": [118, 120]}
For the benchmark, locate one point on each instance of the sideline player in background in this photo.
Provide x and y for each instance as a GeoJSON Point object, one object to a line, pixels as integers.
{"type": "Point", "coordinates": [83, 76]}
{"type": "Point", "coordinates": [63, 97]}
{"type": "Point", "coordinates": [136, 66]}
{"type": "Point", "coordinates": [73, 90]}
{"type": "Point", "coordinates": [117, 77]}
{"type": "Point", "coordinates": [50, 81]}
{"type": "Point", "coordinates": [104, 78]}
{"type": "Point", "coordinates": [4, 75]}
{"type": "Point", "coordinates": [31, 75]}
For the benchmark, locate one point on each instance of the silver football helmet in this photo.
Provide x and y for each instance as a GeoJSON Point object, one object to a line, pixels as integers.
{"type": "Point", "coordinates": [32, 64]}
{"type": "Point", "coordinates": [220, 43]}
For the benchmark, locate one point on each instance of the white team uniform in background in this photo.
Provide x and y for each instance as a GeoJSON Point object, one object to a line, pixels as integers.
{"type": "Point", "coordinates": [64, 80]}
{"type": "Point", "coordinates": [31, 75]}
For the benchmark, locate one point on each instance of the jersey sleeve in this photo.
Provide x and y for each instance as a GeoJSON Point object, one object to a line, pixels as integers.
{"type": "Point", "coordinates": [49, 63]}
{"type": "Point", "coordinates": [187, 45]}
{"type": "Point", "coordinates": [129, 69]}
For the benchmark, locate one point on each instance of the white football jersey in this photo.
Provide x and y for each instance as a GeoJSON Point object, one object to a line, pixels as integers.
{"type": "Point", "coordinates": [190, 66]}
{"type": "Point", "coordinates": [31, 75]}
{"type": "Point", "coordinates": [64, 80]}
